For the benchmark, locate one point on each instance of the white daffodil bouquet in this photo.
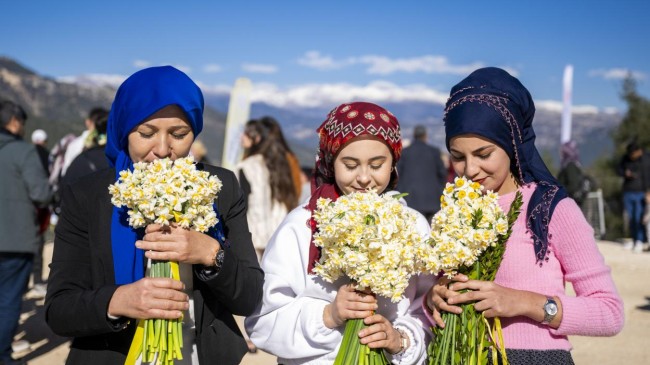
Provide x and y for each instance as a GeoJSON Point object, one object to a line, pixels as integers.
{"type": "Point", "coordinates": [373, 240]}
{"type": "Point", "coordinates": [165, 192]}
{"type": "Point", "coordinates": [468, 236]}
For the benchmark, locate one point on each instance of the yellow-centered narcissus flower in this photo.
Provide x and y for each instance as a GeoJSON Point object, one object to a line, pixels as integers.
{"type": "Point", "coordinates": [370, 238]}
{"type": "Point", "coordinates": [166, 191]}
{"type": "Point", "coordinates": [468, 222]}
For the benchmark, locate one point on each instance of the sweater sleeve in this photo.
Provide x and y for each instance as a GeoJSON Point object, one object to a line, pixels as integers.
{"type": "Point", "coordinates": [597, 309]}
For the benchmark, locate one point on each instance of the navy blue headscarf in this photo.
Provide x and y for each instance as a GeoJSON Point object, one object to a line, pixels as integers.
{"type": "Point", "coordinates": [493, 104]}
{"type": "Point", "coordinates": [141, 95]}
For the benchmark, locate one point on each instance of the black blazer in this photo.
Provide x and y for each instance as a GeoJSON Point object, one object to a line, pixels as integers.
{"type": "Point", "coordinates": [82, 280]}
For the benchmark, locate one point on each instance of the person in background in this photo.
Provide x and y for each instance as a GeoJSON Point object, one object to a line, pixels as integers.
{"type": "Point", "coordinates": [97, 286]}
{"type": "Point", "coordinates": [75, 147]}
{"type": "Point", "coordinates": [199, 151]}
{"type": "Point", "coordinates": [635, 170]}
{"type": "Point", "coordinates": [574, 179]}
{"type": "Point", "coordinates": [93, 158]}
{"type": "Point", "coordinates": [489, 134]}
{"type": "Point", "coordinates": [38, 290]}
{"type": "Point", "coordinates": [39, 139]}
{"type": "Point", "coordinates": [302, 317]}
{"type": "Point", "coordinates": [422, 174]}
{"type": "Point", "coordinates": [23, 188]}
{"type": "Point", "coordinates": [265, 177]}
{"type": "Point", "coordinates": [297, 175]}
{"type": "Point", "coordinates": [57, 158]}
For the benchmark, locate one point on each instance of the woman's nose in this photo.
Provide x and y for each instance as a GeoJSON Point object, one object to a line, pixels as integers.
{"type": "Point", "coordinates": [162, 148]}
{"type": "Point", "coordinates": [363, 177]}
{"type": "Point", "coordinates": [471, 169]}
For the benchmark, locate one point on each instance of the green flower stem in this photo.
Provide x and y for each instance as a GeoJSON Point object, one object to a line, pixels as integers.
{"type": "Point", "coordinates": [352, 352]}
{"type": "Point", "coordinates": [162, 339]}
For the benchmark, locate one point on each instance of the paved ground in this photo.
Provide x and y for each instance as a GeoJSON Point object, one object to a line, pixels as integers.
{"type": "Point", "coordinates": [631, 273]}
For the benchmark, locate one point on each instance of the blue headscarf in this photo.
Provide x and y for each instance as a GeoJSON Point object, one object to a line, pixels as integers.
{"type": "Point", "coordinates": [493, 104]}
{"type": "Point", "coordinates": [141, 95]}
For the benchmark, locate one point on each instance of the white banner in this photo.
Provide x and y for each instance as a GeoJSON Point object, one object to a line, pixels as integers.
{"type": "Point", "coordinates": [238, 114]}
{"type": "Point", "coordinates": [566, 98]}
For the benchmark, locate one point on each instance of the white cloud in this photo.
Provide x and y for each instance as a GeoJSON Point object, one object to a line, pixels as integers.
{"type": "Point", "coordinates": [141, 63]}
{"type": "Point", "coordinates": [212, 68]}
{"type": "Point", "coordinates": [314, 59]}
{"type": "Point", "coordinates": [318, 95]}
{"type": "Point", "coordinates": [611, 110]}
{"type": "Point", "coordinates": [313, 95]}
{"type": "Point", "coordinates": [259, 68]}
{"type": "Point", "coordinates": [617, 73]}
{"type": "Point", "coordinates": [112, 80]}
{"type": "Point", "coordinates": [557, 107]}
{"type": "Point", "coordinates": [427, 64]}
{"type": "Point", "coordinates": [381, 65]}
{"type": "Point", "coordinates": [218, 89]}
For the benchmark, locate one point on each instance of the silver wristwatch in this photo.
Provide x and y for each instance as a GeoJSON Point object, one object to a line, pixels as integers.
{"type": "Point", "coordinates": [550, 310]}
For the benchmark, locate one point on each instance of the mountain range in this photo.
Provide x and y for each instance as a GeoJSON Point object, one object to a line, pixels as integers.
{"type": "Point", "coordinates": [59, 107]}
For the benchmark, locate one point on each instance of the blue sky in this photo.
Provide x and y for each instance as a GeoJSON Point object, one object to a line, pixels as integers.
{"type": "Point", "coordinates": [319, 52]}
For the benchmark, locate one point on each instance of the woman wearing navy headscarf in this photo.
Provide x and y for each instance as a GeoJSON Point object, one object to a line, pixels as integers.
{"type": "Point", "coordinates": [97, 289]}
{"type": "Point", "coordinates": [490, 138]}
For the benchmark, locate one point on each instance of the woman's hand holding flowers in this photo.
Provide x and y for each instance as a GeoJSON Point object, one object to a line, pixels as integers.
{"type": "Point", "coordinates": [492, 299]}
{"type": "Point", "coordinates": [149, 298]}
{"type": "Point", "coordinates": [349, 304]}
{"type": "Point", "coordinates": [173, 243]}
{"type": "Point", "coordinates": [438, 298]}
{"type": "Point", "coordinates": [380, 334]}
{"type": "Point", "coordinates": [488, 297]}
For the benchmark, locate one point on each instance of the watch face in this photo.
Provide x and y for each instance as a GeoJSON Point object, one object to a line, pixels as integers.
{"type": "Point", "coordinates": [550, 308]}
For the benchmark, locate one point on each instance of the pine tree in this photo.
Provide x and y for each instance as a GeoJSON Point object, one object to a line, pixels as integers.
{"type": "Point", "coordinates": [636, 123]}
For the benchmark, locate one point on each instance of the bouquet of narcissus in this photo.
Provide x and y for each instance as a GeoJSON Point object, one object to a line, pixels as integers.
{"type": "Point", "coordinates": [372, 239]}
{"type": "Point", "coordinates": [468, 236]}
{"type": "Point", "coordinates": [165, 192]}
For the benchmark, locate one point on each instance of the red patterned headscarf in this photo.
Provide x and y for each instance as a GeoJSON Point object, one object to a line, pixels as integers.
{"type": "Point", "coordinates": [343, 124]}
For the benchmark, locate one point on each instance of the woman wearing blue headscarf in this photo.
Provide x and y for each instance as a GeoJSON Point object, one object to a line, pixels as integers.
{"type": "Point", "coordinates": [97, 289]}
{"type": "Point", "coordinates": [490, 138]}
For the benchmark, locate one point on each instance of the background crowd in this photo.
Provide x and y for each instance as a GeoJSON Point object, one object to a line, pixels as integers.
{"type": "Point", "coordinates": [268, 181]}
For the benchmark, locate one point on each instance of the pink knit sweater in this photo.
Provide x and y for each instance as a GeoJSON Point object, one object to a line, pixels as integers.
{"type": "Point", "coordinates": [596, 310]}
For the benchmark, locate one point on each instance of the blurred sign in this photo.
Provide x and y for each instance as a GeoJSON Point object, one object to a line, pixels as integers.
{"type": "Point", "coordinates": [238, 113]}
{"type": "Point", "coordinates": [566, 111]}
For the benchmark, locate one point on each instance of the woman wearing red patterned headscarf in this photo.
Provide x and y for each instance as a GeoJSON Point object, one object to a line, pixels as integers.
{"type": "Point", "coordinates": [302, 317]}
